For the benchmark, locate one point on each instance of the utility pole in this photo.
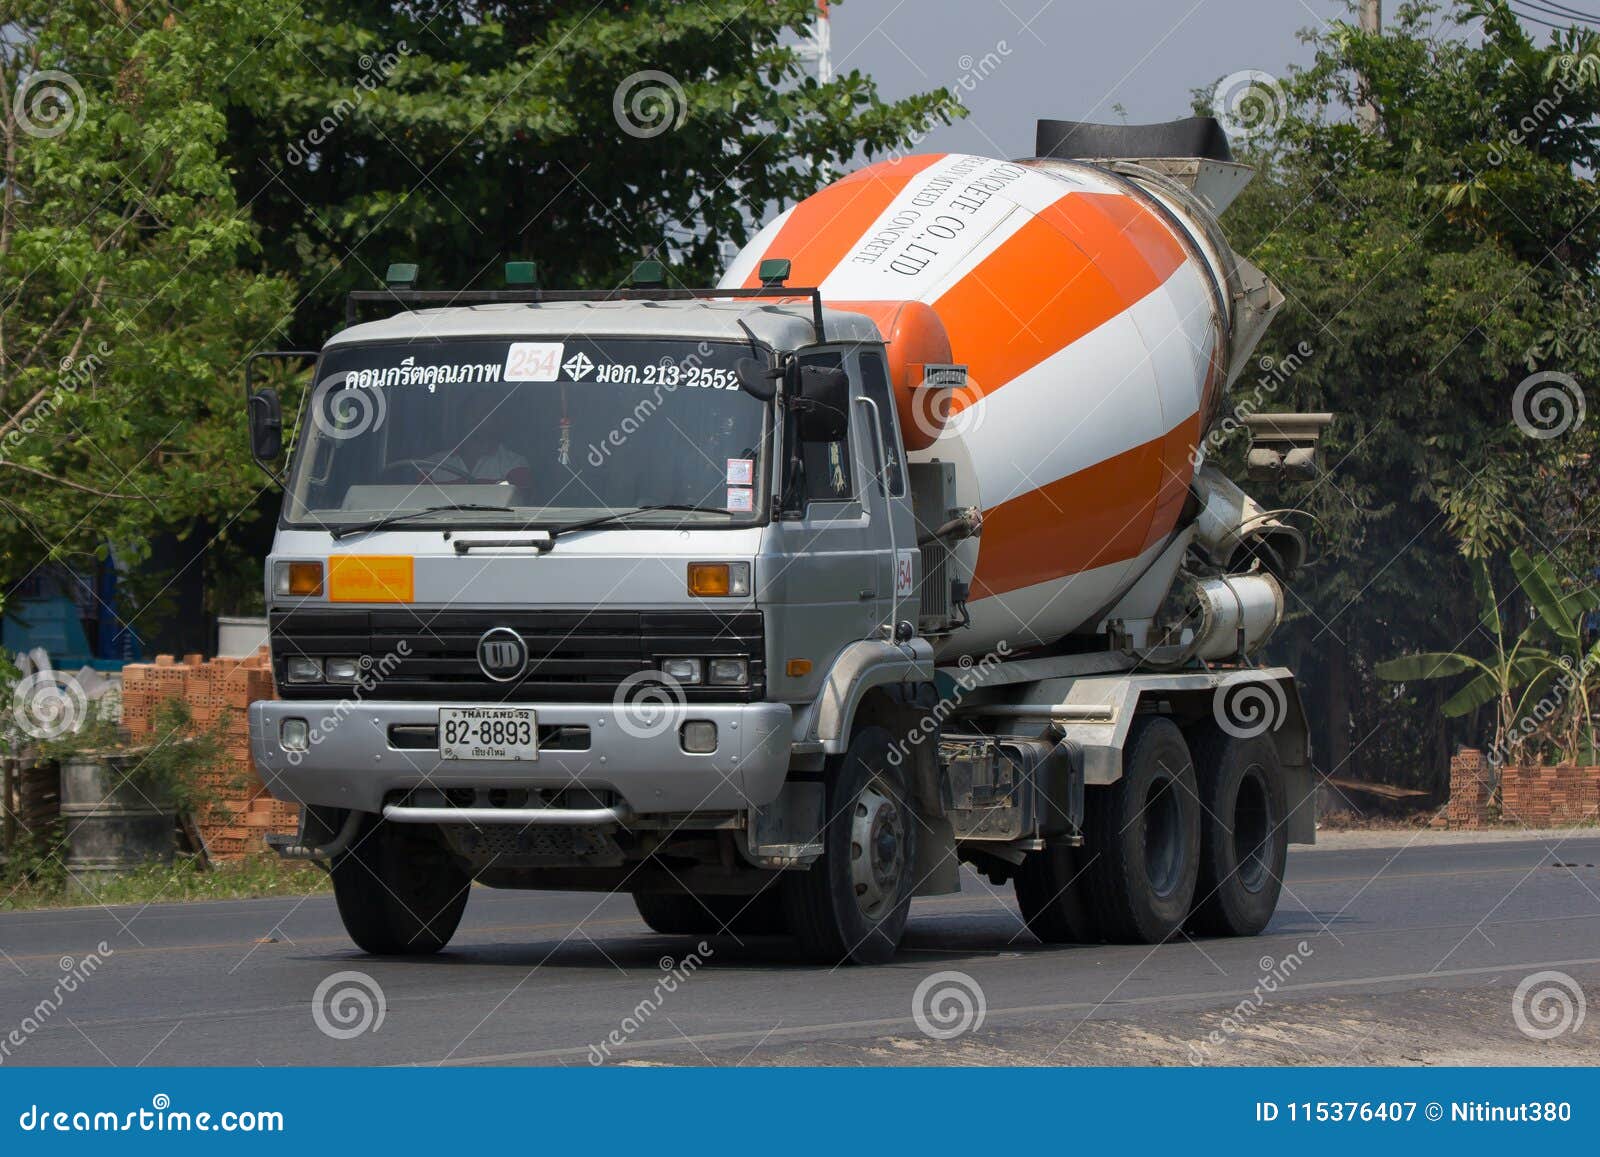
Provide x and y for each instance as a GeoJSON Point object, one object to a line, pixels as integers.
{"type": "Point", "coordinates": [1372, 24]}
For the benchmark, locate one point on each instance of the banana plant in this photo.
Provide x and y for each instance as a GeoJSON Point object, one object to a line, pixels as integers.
{"type": "Point", "coordinates": [1562, 615]}
{"type": "Point", "coordinates": [1520, 669]}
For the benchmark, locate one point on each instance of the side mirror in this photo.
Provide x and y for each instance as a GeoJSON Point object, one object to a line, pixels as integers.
{"type": "Point", "coordinates": [823, 395]}
{"type": "Point", "coordinates": [757, 380]}
{"type": "Point", "coordinates": [264, 410]}
{"type": "Point", "coordinates": [266, 425]}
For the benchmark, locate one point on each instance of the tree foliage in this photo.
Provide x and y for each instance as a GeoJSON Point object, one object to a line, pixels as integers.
{"type": "Point", "coordinates": [124, 311]}
{"type": "Point", "coordinates": [1432, 263]}
{"type": "Point", "coordinates": [463, 133]}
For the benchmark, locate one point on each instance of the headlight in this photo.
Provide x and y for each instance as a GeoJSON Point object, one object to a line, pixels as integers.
{"type": "Point", "coordinates": [728, 672]}
{"type": "Point", "coordinates": [341, 670]}
{"type": "Point", "coordinates": [302, 670]}
{"type": "Point", "coordinates": [683, 670]}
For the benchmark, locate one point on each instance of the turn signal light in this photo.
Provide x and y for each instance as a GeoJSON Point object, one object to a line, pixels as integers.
{"type": "Point", "coordinates": [300, 579]}
{"type": "Point", "coordinates": [719, 579]}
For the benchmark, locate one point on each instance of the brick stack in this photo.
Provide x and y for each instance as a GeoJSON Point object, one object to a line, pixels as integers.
{"type": "Point", "coordinates": [1471, 790]}
{"type": "Point", "coordinates": [1551, 797]}
{"type": "Point", "coordinates": [218, 693]}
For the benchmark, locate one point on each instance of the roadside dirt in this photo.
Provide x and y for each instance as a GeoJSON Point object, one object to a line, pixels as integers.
{"type": "Point", "coordinates": [1441, 1026]}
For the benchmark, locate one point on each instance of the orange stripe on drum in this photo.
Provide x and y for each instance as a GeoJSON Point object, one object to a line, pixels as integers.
{"type": "Point", "coordinates": [1120, 507]}
{"type": "Point", "coordinates": [1087, 258]}
{"type": "Point", "coordinates": [823, 229]}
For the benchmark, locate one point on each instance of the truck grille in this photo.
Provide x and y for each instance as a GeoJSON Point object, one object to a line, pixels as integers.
{"type": "Point", "coordinates": [572, 655]}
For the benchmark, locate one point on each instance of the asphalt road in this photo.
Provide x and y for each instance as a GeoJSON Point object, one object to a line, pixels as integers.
{"type": "Point", "coordinates": [1377, 954]}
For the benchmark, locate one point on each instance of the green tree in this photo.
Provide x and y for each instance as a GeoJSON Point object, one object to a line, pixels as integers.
{"type": "Point", "coordinates": [462, 133]}
{"type": "Point", "coordinates": [124, 312]}
{"type": "Point", "coordinates": [1431, 264]}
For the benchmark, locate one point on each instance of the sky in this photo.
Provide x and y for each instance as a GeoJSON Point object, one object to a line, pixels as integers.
{"type": "Point", "coordinates": [1065, 59]}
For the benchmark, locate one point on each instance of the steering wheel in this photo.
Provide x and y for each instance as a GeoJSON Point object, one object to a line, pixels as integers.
{"type": "Point", "coordinates": [425, 469]}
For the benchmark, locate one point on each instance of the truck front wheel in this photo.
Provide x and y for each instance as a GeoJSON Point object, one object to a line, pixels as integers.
{"type": "Point", "coordinates": [1142, 854]}
{"type": "Point", "coordinates": [1244, 838]}
{"type": "Point", "coordinates": [852, 903]}
{"type": "Point", "coordinates": [399, 889]}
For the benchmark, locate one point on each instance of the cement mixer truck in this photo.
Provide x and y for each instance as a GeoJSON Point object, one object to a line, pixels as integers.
{"type": "Point", "coordinates": [777, 604]}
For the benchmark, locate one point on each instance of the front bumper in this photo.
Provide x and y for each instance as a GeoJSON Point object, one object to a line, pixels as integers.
{"type": "Point", "coordinates": [352, 762]}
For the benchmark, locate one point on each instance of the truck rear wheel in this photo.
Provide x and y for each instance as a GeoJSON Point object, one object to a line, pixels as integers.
{"type": "Point", "coordinates": [1244, 835]}
{"type": "Point", "coordinates": [685, 915]}
{"type": "Point", "coordinates": [399, 889]}
{"type": "Point", "coordinates": [852, 903]}
{"type": "Point", "coordinates": [1049, 887]}
{"type": "Point", "coordinates": [1143, 838]}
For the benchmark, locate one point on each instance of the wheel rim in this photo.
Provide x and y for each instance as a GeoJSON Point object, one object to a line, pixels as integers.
{"type": "Point", "coordinates": [1252, 832]}
{"type": "Point", "coordinates": [1163, 837]}
{"type": "Point", "coordinates": [877, 851]}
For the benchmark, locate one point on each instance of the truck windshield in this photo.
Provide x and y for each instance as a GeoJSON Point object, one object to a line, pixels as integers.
{"type": "Point", "coordinates": [549, 431]}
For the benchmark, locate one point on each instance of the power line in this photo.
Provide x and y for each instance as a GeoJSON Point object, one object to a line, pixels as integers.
{"type": "Point", "coordinates": [1538, 6]}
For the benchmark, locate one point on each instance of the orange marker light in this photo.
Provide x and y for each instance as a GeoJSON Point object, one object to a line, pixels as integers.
{"type": "Point", "coordinates": [708, 579]}
{"type": "Point", "coordinates": [305, 579]}
{"type": "Point", "coordinates": [797, 668]}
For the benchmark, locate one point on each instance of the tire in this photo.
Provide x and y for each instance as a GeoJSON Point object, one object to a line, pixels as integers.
{"type": "Point", "coordinates": [1142, 852]}
{"type": "Point", "coordinates": [851, 905]}
{"type": "Point", "coordinates": [399, 889]}
{"type": "Point", "coordinates": [678, 914]}
{"type": "Point", "coordinates": [1244, 834]}
{"type": "Point", "coordinates": [675, 914]}
{"type": "Point", "coordinates": [1050, 892]}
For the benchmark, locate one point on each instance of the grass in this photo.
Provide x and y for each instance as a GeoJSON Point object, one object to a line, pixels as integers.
{"type": "Point", "coordinates": [184, 879]}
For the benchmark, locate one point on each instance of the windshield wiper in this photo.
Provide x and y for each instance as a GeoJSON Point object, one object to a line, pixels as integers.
{"type": "Point", "coordinates": [619, 515]}
{"type": "Point", "coordinates": [403, 516]}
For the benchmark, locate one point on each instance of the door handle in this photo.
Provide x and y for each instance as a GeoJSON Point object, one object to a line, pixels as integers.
{"type": "Point", "coordinates": [865, 595]}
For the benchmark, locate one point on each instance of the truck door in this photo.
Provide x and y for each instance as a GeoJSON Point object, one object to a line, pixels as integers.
{"type": "Point", "coordinates": [896, 557]}
{"type": "Point", "coordinates": [825, 575]}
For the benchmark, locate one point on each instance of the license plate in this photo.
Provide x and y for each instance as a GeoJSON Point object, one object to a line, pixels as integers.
{"type": "Point", "coordinates": [509, 733]}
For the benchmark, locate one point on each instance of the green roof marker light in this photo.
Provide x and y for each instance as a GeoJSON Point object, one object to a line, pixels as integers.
{"type": "Point", "coordinates": [523, 273]}
{"type": "Point", "coordinates": [649, 275]}
{"type": "Point", "coordinates": [401, 275]}
{"type": "Point", "coordinates": [774, 271]}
